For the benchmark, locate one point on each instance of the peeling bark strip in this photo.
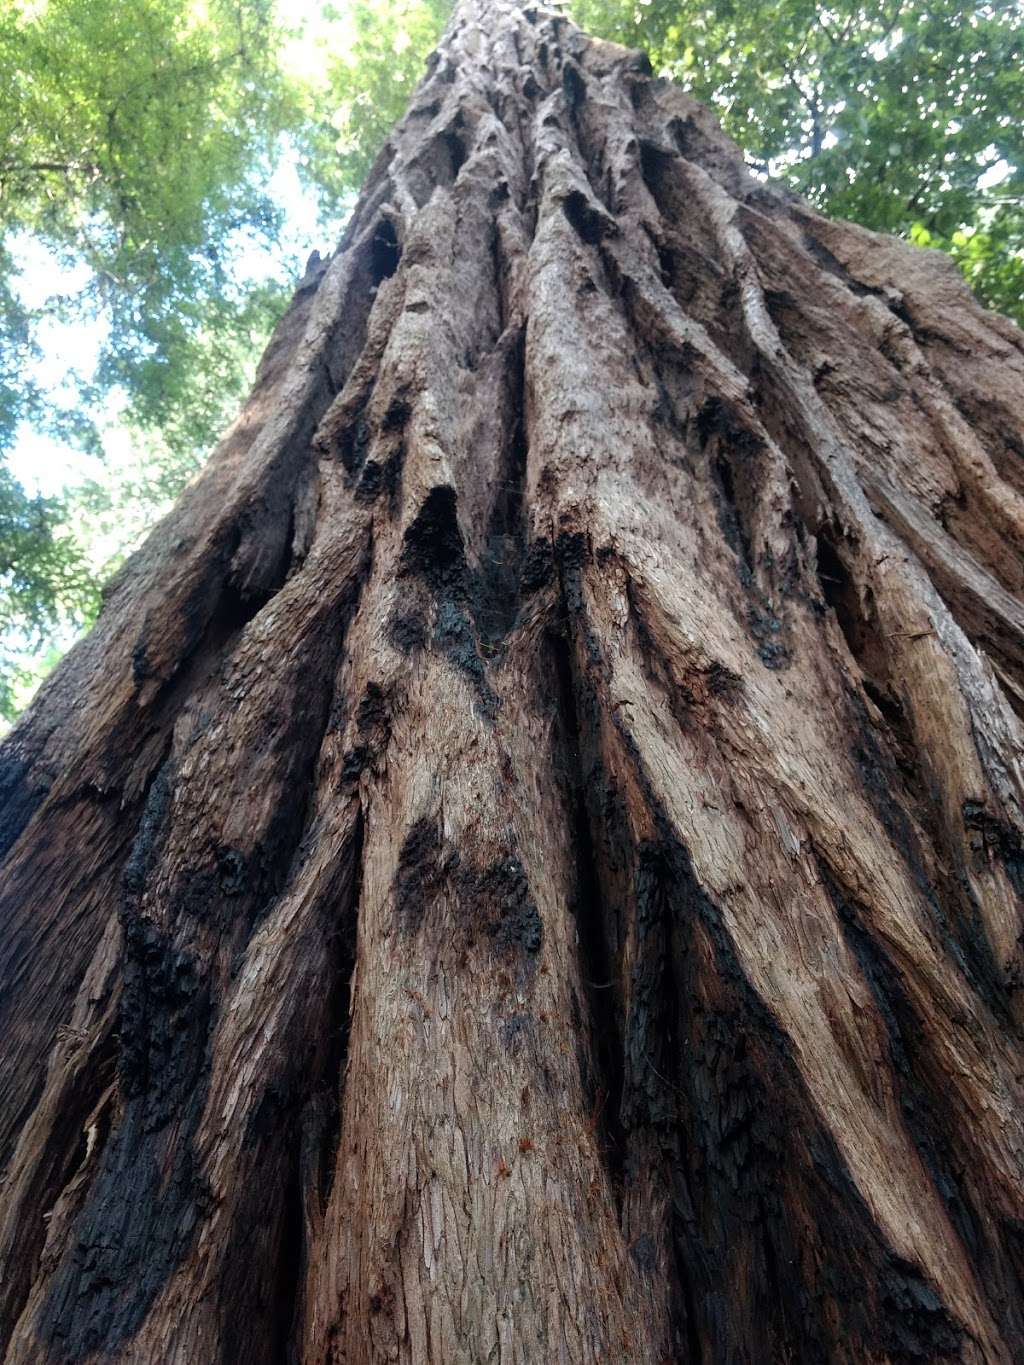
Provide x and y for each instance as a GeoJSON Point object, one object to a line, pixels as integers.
{"type": "Point", "coordinates": [528, 865]}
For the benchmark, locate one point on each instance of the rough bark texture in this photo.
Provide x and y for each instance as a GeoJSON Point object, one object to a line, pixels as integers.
{"type": "Point", "coordinates": [528, 865]}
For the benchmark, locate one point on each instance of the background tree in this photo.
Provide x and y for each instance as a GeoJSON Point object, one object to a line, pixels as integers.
{"type": "Point", "coordinates": [527, 865]}
{"type": "Point", "coordinates": [135, 145]}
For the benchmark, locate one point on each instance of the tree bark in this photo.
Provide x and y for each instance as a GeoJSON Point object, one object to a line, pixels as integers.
{"type": "Point", "coordinates": [528, 865]}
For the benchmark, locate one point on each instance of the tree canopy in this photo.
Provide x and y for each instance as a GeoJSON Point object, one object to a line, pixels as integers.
{"type": "Point", "coordinates": [139, 144]}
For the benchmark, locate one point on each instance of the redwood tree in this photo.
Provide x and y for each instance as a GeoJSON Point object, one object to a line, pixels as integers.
{"type": "Point", "coordinates": [528, 865]}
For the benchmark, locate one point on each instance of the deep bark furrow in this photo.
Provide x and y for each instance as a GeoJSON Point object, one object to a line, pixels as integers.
{"type": "Point", "coordinates": [740, 1165]}
{"type": "Point", "coordinates": [922, 1097]}
{"type": "Point", "coordinates": [595, 901]}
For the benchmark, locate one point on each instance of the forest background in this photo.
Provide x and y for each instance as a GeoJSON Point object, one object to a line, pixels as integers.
{"type": "Point", "coordinates": [167, 166]}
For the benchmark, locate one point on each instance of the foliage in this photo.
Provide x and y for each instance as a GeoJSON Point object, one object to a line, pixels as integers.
{"type": "Point", "coordinates": [44, 579]}
{"type": "Point", "coordinates": [889, 112]}
{"type": "Point", "coordinates": [199, 364]}
{"type": "Point", "coordinates": [372, 58]}
{"type": "Point", "coordinates": [133, 140]}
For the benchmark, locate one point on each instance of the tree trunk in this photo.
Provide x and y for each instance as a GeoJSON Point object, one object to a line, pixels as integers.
{"type": "Point", "coordinates": [528, 865]}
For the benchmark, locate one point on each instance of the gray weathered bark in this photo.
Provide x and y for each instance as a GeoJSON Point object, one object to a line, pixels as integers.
{"type": "Point", "coordinates": [528, 865]}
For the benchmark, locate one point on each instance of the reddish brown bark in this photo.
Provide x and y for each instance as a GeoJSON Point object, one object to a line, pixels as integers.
{"type": "Point", "coordinates": [528, 865]}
